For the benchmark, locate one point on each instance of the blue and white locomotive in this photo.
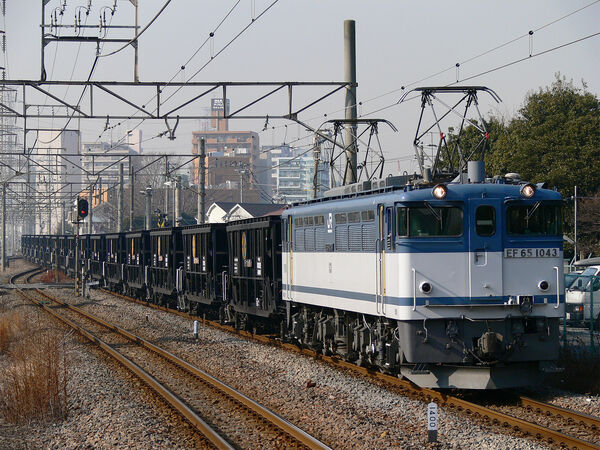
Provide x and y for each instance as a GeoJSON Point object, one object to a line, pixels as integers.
{"type": "Point", "coordinates": [453, 285]}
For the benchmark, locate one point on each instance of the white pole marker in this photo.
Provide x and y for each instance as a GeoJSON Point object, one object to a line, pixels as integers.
{"type": "Point", "coordinates": [432, 422]}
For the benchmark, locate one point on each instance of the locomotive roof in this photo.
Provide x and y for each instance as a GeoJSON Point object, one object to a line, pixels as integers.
{"type": "Point", "coordinates": [456, 193]}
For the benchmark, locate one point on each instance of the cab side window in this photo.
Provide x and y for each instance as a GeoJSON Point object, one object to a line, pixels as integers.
{"type": "Point", "coordinates": [485, 220]}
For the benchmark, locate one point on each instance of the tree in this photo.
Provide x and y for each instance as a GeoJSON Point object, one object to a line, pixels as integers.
{"type": "Point", "coordinates": [588, 224]}
{"type": "Point", "coordinates": [471, 139]}
{"type": "Point", "coordinates": [555, 139]}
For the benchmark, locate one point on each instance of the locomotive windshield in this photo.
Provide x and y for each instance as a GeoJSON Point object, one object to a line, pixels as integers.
{"type": "Point", "coordinates": [426, 221]}
{"type": "Point", "coordinates": [534, 220]}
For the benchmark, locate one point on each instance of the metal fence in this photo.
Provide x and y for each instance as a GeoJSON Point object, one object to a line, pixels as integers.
{"type": "Point", "coordinates": [580, 330]}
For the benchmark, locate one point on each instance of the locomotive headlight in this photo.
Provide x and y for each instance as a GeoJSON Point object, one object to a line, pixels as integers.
{"type": "Point", "coordinates": [440, 191]}
{"type": "Point", "coordinates": [527, 190]}
{"type": "Point", "coordinates": [425, 287]}
{"type": "Point", "coordinates": [543, 285]}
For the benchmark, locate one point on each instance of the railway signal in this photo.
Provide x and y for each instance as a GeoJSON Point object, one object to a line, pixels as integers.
{"type": "Point", "coordinates": [82, 208]}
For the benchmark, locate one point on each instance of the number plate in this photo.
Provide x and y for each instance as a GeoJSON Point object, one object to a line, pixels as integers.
{"type": "Point", "coordinates": [531, 252]}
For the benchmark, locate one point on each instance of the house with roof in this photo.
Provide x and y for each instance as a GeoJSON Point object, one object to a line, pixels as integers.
{"type": "Point", "coordinates": [221, 212]}
{"type": "Point", "coordinates": [217, 212]}
{"type": "Point", "coordinates": [249, 210]}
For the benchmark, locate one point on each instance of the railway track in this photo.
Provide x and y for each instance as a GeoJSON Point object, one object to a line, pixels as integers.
{"type": "Point", "coordinates": [535, 412]}
{"type": "Point", "coordinates": [31, 272]}
{"type": "Point", "coordinates": [227, 418]}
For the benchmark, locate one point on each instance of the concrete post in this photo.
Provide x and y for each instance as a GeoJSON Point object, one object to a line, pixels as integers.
{"type": "Point", "coordinates": [178, 201]}
{"type": "Point", "coordinates": [317, 157]}
{"type": "Point", "coordinates": [120, 199]}
{"type": "Point", "coordinates": [242, 173]}
{"type": "Point", "coordinates": [351, 111]}
{"type": "Point", "coordinates": [148, 194]}
{"type": "Point", "coordinates": [91, 209]}
{"type": "Point", "coordinates": [575, 257]}
{"type": "Point", "coordinates": [202, 183]}
{"type": "Point", "coordinates": [131, 187]}
{"type": "Point", "coordinates": [3, 254]}
{"type": "Point", "coordinates": [49, 206]}
{"type": "Point", "coordinates": [166, 189]}
{"type": "Point", "coordinates": [62, 221]}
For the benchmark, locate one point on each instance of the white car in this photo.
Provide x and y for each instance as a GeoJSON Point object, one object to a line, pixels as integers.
{"type": "Point", "coordinates": [578, 299]}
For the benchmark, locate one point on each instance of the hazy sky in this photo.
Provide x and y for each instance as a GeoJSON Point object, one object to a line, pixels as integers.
{"type": "Point", "coordinates": [398, 44]}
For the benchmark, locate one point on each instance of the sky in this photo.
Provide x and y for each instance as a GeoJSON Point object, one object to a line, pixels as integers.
{"type": "Point", "coordinates": [399, 43]}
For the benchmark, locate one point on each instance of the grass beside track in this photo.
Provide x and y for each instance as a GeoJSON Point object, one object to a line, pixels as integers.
{"type": "Point", "coordinates": [35, 368]}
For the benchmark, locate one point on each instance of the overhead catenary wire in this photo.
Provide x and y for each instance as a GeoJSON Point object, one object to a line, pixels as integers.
{"type": "Point", "coordinates": [494, 69]}
{"type": "Point", "coordinates": [213, 57]}
{"type": "Point", "coordinates": [449, 68]}
{"type": "Point", "coordinates": [182, 67]}
{"type": "Point", "coordinates": [137, 36]}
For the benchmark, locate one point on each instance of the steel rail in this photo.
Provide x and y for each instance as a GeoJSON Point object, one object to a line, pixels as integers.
{"type": "Point", "coordinates": [538, 431]}
{"type": "Point", "coordinates": [13, 278]}
{"type": "Point", "coordinates": [581, 418]}
{"type": "Point", "coordinates": [281, 423]}
{"type": "Point", "coordinates": [154, 384]}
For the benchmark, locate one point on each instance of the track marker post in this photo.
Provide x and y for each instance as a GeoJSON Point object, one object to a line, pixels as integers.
{"type": "Point", "coordinates": [432, 422]}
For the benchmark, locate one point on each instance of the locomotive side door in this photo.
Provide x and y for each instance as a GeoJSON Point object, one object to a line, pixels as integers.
{"type": "Point", "coordinates": [380, 248]}
{"type": "Point", "coordinates": [485, 249]}
{"type": "Point", "coordinates": [288, 233]}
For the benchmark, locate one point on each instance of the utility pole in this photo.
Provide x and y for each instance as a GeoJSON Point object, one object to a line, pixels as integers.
{"type": "Point", "coordinates": [136, 76]}
{"type": "Point", "coordinates": [575, 245]}
{"type": "Point", "coordinates": [3, 264]}
{"type": "Point", "coordinates": [120, 200]}
{"type": "Point", "coordinates": [91, 208]}
{"type": "Point", "coordinates": [148, 194]}
{"type": "Point", "coordinates": [177, 218]}
{"type": "Point", "coordinates": [62, 222]}
{"type": "Point", "coordinates": [77, 247]}
{"type": "Point", "coordinates": [131, 187]}
{"type": "Point", "coordinates": [202, 182]}
{"type": "Point", "coordinates": [242, 173]}
{"type": "Point", "coordinates": [167, 190]}
{"type": "Point", "coordinates": [351, 111]}
{"type": "Point", "coordinates": [317, 157]}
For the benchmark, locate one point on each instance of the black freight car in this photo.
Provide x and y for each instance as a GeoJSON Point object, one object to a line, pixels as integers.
{"type": "Point", "coordinates": [69, 255]}
{"type": "Point", "coordinates": [204, 268]}
{"type": "Point", "coordinates": [26, 246]}
{"type": "Point", "coordinates": [255, 270]}
{"type": "Point", "coordinates": [113, 265]}
{"type": "Point", "coordinates": [137, 257]}
{"type": "Point", "coordinates": [95, 255]}
{"type": "Point", "coordinates": [61, 252]}
{"type": "Point", "coordinates": [52, 251]}
{"type": "Point", "coordinates": [166, 261]}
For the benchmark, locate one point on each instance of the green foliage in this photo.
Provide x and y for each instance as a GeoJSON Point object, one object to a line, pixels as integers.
{"type": "Point", "coordinates": [555, 138]}
{"type": "Point", "coordinates": [472, 141]}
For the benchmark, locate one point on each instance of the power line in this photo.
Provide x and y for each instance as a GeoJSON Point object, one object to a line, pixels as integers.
{"type": "Point", "coordinates": [141, 32]}
{"type": "Point", "coordinates": [211, 34]}
{"type": "Point", "coordinates": [454, 66]}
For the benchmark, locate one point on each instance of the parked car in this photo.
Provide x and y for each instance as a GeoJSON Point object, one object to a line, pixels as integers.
{"type": "Point", "coordinates": [579, 296]}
